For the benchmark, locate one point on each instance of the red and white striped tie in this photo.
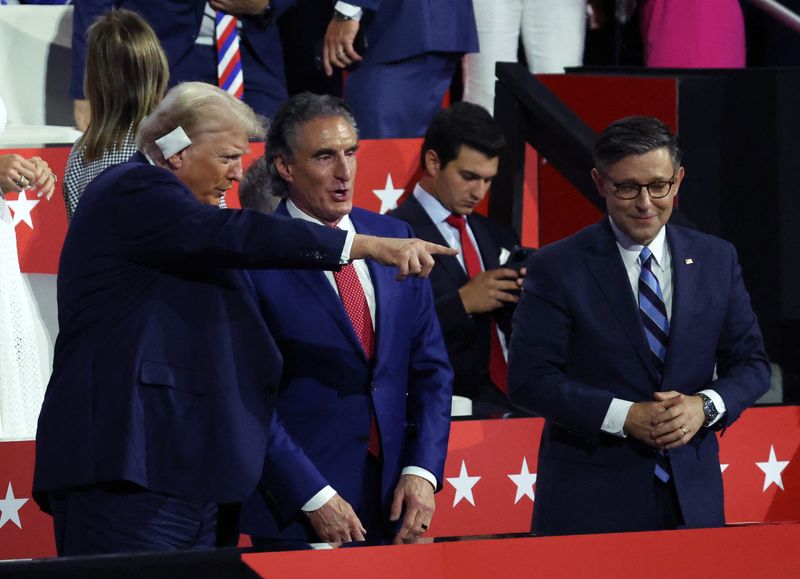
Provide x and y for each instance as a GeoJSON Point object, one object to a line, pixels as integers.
{"type": "Point", "coordinates": [229, 59]}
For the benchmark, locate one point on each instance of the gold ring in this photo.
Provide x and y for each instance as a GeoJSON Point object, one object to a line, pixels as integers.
{"type": "Point", "coordinates": [685, 432]}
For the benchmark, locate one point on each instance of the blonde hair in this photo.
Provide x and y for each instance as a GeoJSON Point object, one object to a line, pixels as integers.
{"type": "Point", "coordinates": [198, 108]}
{"type": "Point", "coordinates": [126, 75]}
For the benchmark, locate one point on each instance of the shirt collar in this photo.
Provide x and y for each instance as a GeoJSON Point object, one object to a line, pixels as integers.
{"type": "Point", "coordinates": [630, 249]}
{"type": "Point", "coordinates": [345, 224]}
{"type": "Point", "coordinates": [435, 210]}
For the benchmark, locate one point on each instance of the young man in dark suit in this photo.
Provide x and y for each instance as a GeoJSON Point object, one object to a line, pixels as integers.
{"type": "Point", "coordinates": [459, 159]}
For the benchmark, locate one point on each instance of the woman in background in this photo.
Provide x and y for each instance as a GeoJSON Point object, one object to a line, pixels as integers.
{"type": "Point", "coordinates": [21, 382]}
{"type": "Point", "coordinates": [126, 76]}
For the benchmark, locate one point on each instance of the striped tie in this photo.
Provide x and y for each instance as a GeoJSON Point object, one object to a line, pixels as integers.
{"type": "Point", "coordinates": [656, 329]}
{"type": "Point", "coordinates": [229, 60]}
{"type": "Point", "coordinates": [653, 310]}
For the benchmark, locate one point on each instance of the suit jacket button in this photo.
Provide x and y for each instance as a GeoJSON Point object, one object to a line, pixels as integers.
{"type": "Point", "coordinates": [373, 386]}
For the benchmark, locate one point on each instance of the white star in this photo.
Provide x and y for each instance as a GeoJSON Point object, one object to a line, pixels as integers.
{"type": "Point", "coordinates": [22, 208]}
{"type": "Point", "coordinates": [9, 508]}
{"type": "Point", "coordinates": [723, 468]}
{"type": "Point", "coordinates": [772, 470]}
{"type": "Point", "coordinates": [463, 484]}
{"type": "Point", "coordinates": [524, 481]}
{"type": "Point", "coordinates": [388, 195]}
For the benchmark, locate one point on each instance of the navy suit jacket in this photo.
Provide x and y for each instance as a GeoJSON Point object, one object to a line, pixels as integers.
{"type": "Point", "coordinates": [578, 343]}
{"type": "Point", "coordinates": [163, 366]}
{"type": "Point", "coordinates": [328, 386]}
{"type": "Point", "coordinates": [467, 337]}
{"type": "Point", "coordinates": [176, 23]}
{"type": "Point", "coordinates": [400, 29]}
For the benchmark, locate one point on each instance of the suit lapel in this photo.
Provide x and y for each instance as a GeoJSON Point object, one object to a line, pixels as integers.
{"type": "Point", "coordinates": [489, 250]}
{"type": "Point", "coordinates": [321, 289]}
{"type": "Point", "coordinates": [685, 274]}
{"type": "Point", "coordinates": [426, 229]}
{"type": "Point", "coordinates": [609, 273]}
{"type": "Point", "coordinates": [382, 281]}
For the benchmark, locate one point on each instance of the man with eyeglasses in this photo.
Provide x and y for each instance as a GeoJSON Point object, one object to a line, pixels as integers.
{"type": "Point", "coordinates": [635, 339]}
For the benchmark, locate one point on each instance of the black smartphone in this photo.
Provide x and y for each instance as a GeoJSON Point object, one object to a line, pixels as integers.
{"type": "Point", "coordinates": [519, 257]}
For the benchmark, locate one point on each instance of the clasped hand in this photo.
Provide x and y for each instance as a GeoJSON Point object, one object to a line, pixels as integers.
{"type": "Point", "coordinates": [669, 421]}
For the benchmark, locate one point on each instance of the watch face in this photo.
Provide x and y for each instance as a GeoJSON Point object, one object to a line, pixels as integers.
{"type": "Point", "coordinates": [709, 409]}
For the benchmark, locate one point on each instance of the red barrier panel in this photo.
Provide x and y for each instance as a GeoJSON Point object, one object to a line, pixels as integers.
{"type": "Point", "coordinates": [753, 551]}
{"type": "Point", "coordinates": [490, 478]}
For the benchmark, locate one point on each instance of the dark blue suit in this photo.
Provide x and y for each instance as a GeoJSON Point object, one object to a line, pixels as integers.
{"type": "Point", "coordinates": [328, 386]}
{"type": "Point", "coordinates": [177, 23]}
{"type": "Point", "coordinates": [163, 366]}
{"type": "Point", "coordinates": [413, 47]}
{"type": "Point", "coordinates": [578, 342]}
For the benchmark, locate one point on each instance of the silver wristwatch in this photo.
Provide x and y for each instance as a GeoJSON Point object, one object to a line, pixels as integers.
{"type": "Point", "coordinates": [709, 409]}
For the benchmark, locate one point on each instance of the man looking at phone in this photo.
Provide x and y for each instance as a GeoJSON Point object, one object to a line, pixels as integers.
{"type": "Point", "coordinates": [459, 159]}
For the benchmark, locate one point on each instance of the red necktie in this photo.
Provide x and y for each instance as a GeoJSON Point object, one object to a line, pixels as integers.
{"type": "Point", "coordinates": [229, 60]}
{"type": "Point", "coordinates": [498, 369]}
{"type": "Point", "coordinates": [352, 295]}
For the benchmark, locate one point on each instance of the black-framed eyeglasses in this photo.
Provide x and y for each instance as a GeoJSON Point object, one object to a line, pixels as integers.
{"type": "Point", "coordinates": [628, 190]}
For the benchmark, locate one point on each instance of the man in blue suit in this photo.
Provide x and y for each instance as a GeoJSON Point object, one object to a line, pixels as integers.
{"type": "Point", "coordinates": [186, 31]}
{"type": "Point", "coordinates": [410, 51]}
{"type": "Point", "coordinates": [364, 403]}
{"type": "Point", "coordinates": [636, 341]}
{"type": "Point", "coordinates": [158, 408]}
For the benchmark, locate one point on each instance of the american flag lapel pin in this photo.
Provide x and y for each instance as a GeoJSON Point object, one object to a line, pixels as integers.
{"type": "Point", "coordinates": [688, 261]}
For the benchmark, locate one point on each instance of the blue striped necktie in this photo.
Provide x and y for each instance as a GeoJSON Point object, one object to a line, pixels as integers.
{"type": "Point", "coordinates": [653, 310]}
{"type": "Point", "coordinates": [656, 329]}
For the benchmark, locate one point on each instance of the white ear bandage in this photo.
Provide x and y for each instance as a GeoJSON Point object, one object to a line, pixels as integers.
{"type": "Point", "coordinates": [173, 142]}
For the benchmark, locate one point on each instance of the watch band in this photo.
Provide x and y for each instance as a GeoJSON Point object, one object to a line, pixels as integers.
{"type": "Point", "coordinates": [341, 17]}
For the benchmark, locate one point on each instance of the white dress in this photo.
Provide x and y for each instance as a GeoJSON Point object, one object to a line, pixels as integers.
{"type": "Point", "coordinates": [21, 383]}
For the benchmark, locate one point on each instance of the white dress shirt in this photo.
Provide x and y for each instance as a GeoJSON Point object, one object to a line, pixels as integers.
{"type": "Point", "coordinates": [629, 250]}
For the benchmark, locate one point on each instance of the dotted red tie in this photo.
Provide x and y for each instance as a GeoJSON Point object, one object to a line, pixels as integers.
{"type": "Point", "coordinates": [498, 368]}
{"type": "Point", "coordinates": [352, 295]}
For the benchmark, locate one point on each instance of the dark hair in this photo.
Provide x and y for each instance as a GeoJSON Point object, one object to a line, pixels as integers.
{"type": "Point", "coordinates": [633, 136]}
{"type": "Point", "coordinates": [462, 124]}
{"type": "Point", "coordinates": [291, 115]}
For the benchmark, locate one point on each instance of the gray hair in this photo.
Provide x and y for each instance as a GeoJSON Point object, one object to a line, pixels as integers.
{"type": "Point", "coordinates": [633, 136]}
{"type": "Point", "coordinates": [255, 191]}
{"type": "Point", "coordinates": [198, 108]}
{"type": "Point", "coordinates": [293, 114]}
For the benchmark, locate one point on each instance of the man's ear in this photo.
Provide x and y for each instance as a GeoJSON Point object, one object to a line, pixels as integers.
{"type": "Point", "coordinates": [432, 162]}
{"type": "Point", "coordinates": [175, 162]}
{"type": "Point", "coordinates": [596, 178]}
{"type": "Point", "coordinates": [284, 169]}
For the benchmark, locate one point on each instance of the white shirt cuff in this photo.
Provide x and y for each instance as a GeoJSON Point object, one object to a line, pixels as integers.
{"type": "Point", "coordinates": [348, 246]}
{"type": "Point", "coordinates": [319, 499]}
{"type": "Point", "coordinates": [353, 12]}
{"type": "Point", "coordinates": [614, 422]}
{"type": "Point", "coordinates": [718, 403]}
{"type": "Point", "coordinates": [421, 472]}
